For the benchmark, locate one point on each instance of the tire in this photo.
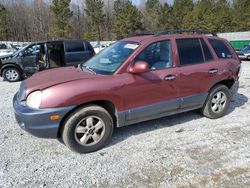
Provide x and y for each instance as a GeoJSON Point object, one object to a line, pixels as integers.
{"type": "Point", "coordinates": [87, 129]}
{"type": "Point", "coordinates": [11, 74]}
{"type": "Point", "coordinates": [216, 106]}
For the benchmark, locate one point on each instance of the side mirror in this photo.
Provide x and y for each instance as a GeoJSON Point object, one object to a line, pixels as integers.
{"type": "Point", "coordinates": [139, 67]}
{"type": "Point", "coordinates": [20, 54]}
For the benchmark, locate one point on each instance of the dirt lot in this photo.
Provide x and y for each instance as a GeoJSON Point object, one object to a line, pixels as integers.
{"type": "Point", "coordinates": [185, 150]}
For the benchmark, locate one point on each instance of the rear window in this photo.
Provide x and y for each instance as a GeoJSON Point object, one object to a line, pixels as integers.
{"type": "Point", "coordinates": [190, 51]}
{"type": "Point", "coordinates": [89, 46]}
{"type": "Point", "coordinates": [220, 48]}
{"type": "Point", "coordinates": [74, 46]}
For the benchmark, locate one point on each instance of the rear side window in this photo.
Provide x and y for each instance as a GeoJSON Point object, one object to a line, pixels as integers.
{"type": "Point", "coordinates": [190, 51]}
{"type": "Point", "coordinates": [220, 48]}
{"type": "Point", "coordinates": [74, 46]}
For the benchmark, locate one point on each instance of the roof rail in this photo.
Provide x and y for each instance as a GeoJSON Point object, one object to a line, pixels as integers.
{"type": "Point", "coordinates": [180, 31]}
{"type": "Point", "coordinates": [141, 34]}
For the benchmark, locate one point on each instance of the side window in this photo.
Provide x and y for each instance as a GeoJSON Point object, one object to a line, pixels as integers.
{"type": "Point", "coordinates": [32, 50]}
{"type": "Point", "coordinates": [74, 46]}
{"type": "Point", "coordinates": [207, 54]}
{"type": "Point", "coordinates": [220, 48]}
{"type": "Point", "coordinates": [158, 55]}
{"type": "Point", "coordinates": [190, 51]}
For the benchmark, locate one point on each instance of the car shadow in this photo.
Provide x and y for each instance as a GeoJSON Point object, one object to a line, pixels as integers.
{"type": "Point", "coordinates": [123, 133]}
{"type": "Point", "coordinates": [238, 101]}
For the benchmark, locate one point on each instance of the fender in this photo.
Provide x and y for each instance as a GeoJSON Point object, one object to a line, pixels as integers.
{"type": "Point", "coordinates": [50, 101]}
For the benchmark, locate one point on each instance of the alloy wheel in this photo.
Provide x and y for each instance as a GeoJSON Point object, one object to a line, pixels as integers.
{"type": "Point", "coordinates": [89, 131]}
{"type": "Point", "coordinates": [219, 101]}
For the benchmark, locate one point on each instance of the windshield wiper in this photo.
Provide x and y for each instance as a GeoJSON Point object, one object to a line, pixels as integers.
{"type": "Point", "coordinates": [88, 68]}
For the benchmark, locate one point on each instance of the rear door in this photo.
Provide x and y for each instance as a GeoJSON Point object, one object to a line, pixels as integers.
{"type": "Point", "coordinates": [228, 62]}
{"type": "Point", "coordinates": [198, 71]}
{"type": "Point", "coordinates": [76, 52]}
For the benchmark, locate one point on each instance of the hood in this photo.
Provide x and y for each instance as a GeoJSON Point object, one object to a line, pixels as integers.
{"type": "Point", "coordinates": [49, 78]}
{"type": "Point", "coordinates": [4, 57]}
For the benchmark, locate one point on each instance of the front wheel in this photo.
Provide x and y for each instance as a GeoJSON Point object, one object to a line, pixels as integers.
{"type": "Point", "coordinates": [11, 74]}
{"type": "Point", "coordinates": [87, 129]}
{"type": "Point", "coordinates": [217, 102]}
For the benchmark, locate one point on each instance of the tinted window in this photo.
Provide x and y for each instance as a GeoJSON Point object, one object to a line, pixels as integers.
{"type": "Point", "coordinates": [90, 48]}
{"type": "Point", "coordinates": [220, 49]}
{"type": "Point", "coordinates": [207, 54]}
{"type": "Point", "coordinates": [158, 55]}
{"type": "Point", "coordinates": [190, 51]}
{"type": "Point", "coordinates": [74, 46]}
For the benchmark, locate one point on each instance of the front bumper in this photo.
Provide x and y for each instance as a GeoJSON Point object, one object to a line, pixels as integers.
{"type": "Point", "coordinates": [37, 121]}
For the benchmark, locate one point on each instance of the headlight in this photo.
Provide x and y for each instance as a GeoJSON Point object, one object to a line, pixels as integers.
{"type": "Point", "coordinates": [34, 99]}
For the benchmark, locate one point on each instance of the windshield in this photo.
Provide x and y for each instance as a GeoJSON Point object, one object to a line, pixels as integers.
{"type": "Point", "coordinates": [246, 48]}
{"type": "Point", "coordinates": [20, 50]}
{"type": "Point", "coordinates": [110, 59]}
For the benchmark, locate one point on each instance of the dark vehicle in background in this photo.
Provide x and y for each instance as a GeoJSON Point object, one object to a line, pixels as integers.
{"type": "Point", "coordinates": [3, 46]}
{"type": "Point", "coordinates": [244, 54]}
{"type": "Point", "coordinates": [40, 56]}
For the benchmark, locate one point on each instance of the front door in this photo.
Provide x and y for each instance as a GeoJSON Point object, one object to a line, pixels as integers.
{"type": "Point", "coordinates": [152, 94]}
{"type": "Point", "coordinates": [30, 58]}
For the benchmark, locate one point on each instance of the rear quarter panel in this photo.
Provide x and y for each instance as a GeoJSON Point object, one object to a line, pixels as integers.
{"type": "Point", "coordinates": [231, 66]}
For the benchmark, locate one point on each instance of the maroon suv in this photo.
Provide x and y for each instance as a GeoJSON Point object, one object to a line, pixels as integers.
{"type": "Point", "coordinates": [134, 80]}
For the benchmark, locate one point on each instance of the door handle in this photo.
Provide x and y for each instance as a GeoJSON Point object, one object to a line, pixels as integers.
{"type": "Point", "coordinates": [170, 77]}
{"type": "Point", "coordinates": [213, 71]}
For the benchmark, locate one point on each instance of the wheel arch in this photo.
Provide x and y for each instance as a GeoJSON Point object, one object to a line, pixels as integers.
{"type": "Point", "coordinates": [227, 82]}
{"type": "Point", "coordinates": [106, 104]}
{"type": "Point", "coordinates": [10, 65]}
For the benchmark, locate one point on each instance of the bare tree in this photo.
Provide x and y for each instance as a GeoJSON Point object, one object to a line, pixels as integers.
{"type": "Point", "coordinates": [78, 19]}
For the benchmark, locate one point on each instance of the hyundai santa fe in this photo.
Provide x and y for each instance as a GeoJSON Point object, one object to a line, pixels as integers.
{"type": "Point", "coordinates": [136, 79]}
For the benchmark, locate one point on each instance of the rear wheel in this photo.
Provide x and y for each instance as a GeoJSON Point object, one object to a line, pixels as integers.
{"type": "Point", "coordinates": [217, 102]}
{"type": "Point", "coordinates": [11, 74]}
{"type": "Point", "coordinates": [87, 129]}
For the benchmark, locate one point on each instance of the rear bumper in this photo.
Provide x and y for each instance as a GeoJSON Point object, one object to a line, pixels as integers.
{"type": "Point", "coordinates": [37, 121]}
{"type": "Point", "coordinates": [234, 89]}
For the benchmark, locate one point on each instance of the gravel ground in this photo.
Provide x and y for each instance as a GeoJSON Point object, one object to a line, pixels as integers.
{"type": "Point", "coordinates": [185, 150]}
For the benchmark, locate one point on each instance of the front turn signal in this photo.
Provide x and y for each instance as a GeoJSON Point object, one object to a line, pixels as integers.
{"type": "Point", "coordinates": [54, 117]}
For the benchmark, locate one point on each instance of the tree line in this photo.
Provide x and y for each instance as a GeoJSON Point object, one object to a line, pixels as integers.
{"type": "Point", "coordinates": [33, 20]}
